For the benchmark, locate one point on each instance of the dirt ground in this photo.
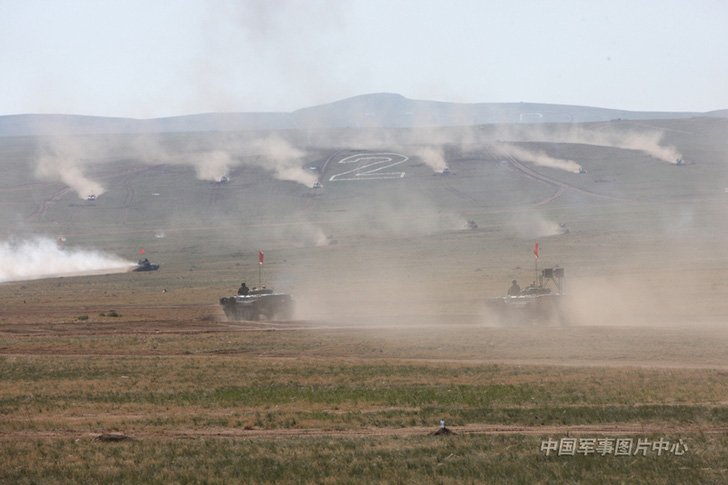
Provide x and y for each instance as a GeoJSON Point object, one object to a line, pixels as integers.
{"type": "Point", "coordinates": [43, 331]}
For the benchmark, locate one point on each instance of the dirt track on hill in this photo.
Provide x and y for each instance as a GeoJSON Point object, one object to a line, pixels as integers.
{"type": "Point", "coordinates": [562, 185]}
{"type": "Point", "coordinates": [476, 429]}
{"type": "Point", "coordinates": [517, 346]}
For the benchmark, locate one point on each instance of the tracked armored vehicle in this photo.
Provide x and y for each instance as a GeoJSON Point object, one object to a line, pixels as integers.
{"type": "Point", "coordinates": [145, 265]}
{"type": "Point", "coordinates": [534, 304]}
{"type": "Point", "coordinates": [258, 304]}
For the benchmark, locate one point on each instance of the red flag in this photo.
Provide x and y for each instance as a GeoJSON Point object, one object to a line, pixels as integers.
{"type": "Point", "coordinates": [535, 251]}
{"type": "Point", "coordinates": [260, 259]}
{"type": "Point", "coordinates": [141, 251]}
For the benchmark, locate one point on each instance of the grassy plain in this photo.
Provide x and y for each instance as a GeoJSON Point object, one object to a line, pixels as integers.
{"type": "Point", "coordinates": [208, 401]}
{"type": "Point", "coordinates": [392, 333]}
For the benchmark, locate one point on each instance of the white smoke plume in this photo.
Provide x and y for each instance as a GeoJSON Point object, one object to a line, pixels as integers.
{"type": "Point", "coordinates": [284, 160]}
{"type": "Point", "coordinates": [538, 157]}
{"type": "Point", "coordinates": [42, 258]}
{"type": "Point", "coordinates": [308, 235]}
{"type": "Point", "coordinates": [272, 153]}
{"type": "Point", "coordinates": [531, 225]}
{"type": "Point", "coordinates": [319, 237]}
{"type": "Point", "coordinates": [213, 165]}
{"type": "Point", "coordinates": [650, 142]}
{"type": "Point", "coordinates": [433, 158]}
{"type": "Point", "coordinates": [65, 159]}
{"type": "Point", "coordinates": [61, 161]}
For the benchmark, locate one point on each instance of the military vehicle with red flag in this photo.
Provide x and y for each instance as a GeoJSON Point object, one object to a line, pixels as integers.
{"type": "Point", "coordinates": [258, 304]}
{"type": "Point", "coordinates": [145, 265]}
{"type": "Point", "coordinates": [534, 304]}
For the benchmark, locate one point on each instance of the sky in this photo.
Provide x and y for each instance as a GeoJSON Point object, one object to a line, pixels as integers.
{"type": "Point", "coordinates": [157, 58]}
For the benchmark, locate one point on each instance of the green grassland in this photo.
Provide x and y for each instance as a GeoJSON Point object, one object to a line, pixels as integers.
{"type": "Point", "coordinates": [295, 406]}
{"type": "Point", "coordinates": [392, 331]}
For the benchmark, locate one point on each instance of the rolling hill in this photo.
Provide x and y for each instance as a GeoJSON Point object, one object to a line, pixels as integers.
{"type": "Point", "coordinates": [380, 110]}
{"type": "Point", "coordinates": [388, 223]}
{"type": "Point", "coordinates": [390, 277]}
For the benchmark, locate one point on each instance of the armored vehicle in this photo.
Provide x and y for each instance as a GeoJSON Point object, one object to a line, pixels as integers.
{"type": "Point", "coordinates": [145, 265]}
{"type": "Point", "coordinates": [534, 304]}
{"type": "Point", "coordinates": [258, 304]}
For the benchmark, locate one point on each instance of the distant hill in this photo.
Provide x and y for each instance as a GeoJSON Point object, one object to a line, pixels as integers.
{"type": "Point", "coordinates": [382, 110]}
{"type": "Point", "coordinates": [53, 124]}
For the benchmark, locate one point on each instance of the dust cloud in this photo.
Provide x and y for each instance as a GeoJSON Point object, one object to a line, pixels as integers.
{"type": "Point", "coordinates": [404, 214]}
{"type": "Point", "coordinates": [650, 142]}
{"type": "Point", "coordinates": [433, 157]}
{"type": "Point", "coordinates": [66, 158]}
{"type": "Point", "coordinates": [529, 224]}
{"type": "Point", "coordinates": [39, 258]}
{"type": "Point", "coordinates": [537, 157]}
{"type": "Point", "coordinates": [62, 159]}
{"type": "Point", "coordinates": [614, 301]}
{"type": "Point", "coordinates": [272, 153]}
{"type": "Point", "coordinates": [647, 141]}
{"type": "Point", "coordinates": [368, 289]}
{"type": "Point", "coordinates": [283, 159]}
{"type": "Point", "coordinates": [298, 234]}
{"type": "Point", "coordinates": [213, 165]}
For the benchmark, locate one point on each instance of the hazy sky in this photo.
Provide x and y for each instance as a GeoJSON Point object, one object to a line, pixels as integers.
{"type": "Point", "coordinates": [153, 58]}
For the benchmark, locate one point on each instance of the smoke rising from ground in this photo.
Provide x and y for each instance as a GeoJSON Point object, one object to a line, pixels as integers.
{"type": "Point", "coordinates": [647, 142]}
{"type": "Point", "coordinates": [66, 159]}
{"type": "Point", "coordinates": [538, 157]}
{"type": "Point", "coordinates": [530, 225]}
{"type": "Point", "coordinates": [272, 153]}
{"type": "Point", "coordinates": [650, 142]}
{"type": "Point", "coordinates": [284, 160]}
{"type": "Point", "coordinates": [213, 165]}
{"type": "Point", "coordinates": [432, 157]}
{"type": "Point", "coordinates": [42, 258]}
{"type": "Point", "coordinates": [61, 160]}
{"type": "Point", "coordinates": [407, 214]}
{"type": "Point", "coordinates": [618, 301]}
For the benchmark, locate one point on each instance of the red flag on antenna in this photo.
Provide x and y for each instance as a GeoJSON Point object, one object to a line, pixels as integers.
{"type": "Point", "coordinates": [141, 251]}
{"type": "Point", "coordinates": [535, 251]}
{"type": "Point", "coordinates": [260, 259]}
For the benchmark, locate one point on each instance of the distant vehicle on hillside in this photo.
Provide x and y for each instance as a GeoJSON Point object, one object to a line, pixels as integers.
{"type": "Point", "coordinates": [91, 197]}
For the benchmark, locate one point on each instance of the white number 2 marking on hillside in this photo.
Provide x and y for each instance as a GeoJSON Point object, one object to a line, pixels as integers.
{"type": "Point", "coordinates": [372, 168]}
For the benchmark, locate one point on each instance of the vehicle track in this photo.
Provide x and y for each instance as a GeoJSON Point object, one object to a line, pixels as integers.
{"type": "Point", "coordinates": [44, 205]}
{"type": "Point", "coordinates": [381, 432]}
{"type": "Point", "coordinates": [128, 199]}
{"type": "Point", "coordinates": [214, 198]}
{"type": "Point", "coordinates": [461, 194]}
{"type": "Point", "coordinates": [558, 183]}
